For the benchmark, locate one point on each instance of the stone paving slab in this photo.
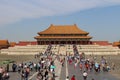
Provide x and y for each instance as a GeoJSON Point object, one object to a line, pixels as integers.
{"type": "Point", "coordinates": [57, 69]}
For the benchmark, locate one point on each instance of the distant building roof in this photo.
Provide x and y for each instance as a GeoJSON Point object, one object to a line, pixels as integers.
{"type": "Point", "coordinates": [12, 44]}
{"type": "Point", "coordinates": [116, 43]}
{"type": "Point", "coordinates": [4, 42]}
{"type": "Point", "coordinates": [63, 29]}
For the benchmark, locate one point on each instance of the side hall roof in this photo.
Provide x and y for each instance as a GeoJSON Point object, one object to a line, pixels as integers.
{"type": "Point", "coordinates": [4, 42]}
{"type": "Point", "coordinates": [116, 43]}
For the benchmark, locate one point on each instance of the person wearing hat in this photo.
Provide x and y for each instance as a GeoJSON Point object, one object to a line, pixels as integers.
{"type": "Point", "coordinates": [67, 78]}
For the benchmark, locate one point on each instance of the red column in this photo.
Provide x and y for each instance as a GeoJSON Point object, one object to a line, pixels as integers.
{"type": "Point", "coordinates": [39, 43]}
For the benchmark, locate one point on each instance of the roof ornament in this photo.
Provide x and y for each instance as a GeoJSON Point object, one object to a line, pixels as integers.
{"type": "Point", "coordinates": [75, 25]}
{"type": "Point", "coordinates": [51, 24]}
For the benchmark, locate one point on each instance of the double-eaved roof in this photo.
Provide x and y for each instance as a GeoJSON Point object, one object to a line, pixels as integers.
{"type": "Point", "coordinates": [63, 29]}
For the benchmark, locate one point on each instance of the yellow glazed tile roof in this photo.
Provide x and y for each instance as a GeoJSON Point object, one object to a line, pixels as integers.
{"type": "Point", "coordinates": [4, 42]}
{"type": "Point", "coordinates": [63, 29]}
{"type": "Point", "coordinates": [116, 43]}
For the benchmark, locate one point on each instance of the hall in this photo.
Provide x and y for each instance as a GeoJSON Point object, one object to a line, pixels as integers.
{"type": "Point", "coordinates": [63, 34]}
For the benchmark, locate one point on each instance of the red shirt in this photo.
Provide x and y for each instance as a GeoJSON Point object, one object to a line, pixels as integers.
{"type": "Point", "coordinates": [73, 78]}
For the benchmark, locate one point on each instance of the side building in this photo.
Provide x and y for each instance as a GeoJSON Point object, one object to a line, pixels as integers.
{"type": "Point", "coordinates": [4, 44]}
{"type": "Point", "coordinates": [63, 34]}
{"type": "Point", "coordinates": [116, 44]}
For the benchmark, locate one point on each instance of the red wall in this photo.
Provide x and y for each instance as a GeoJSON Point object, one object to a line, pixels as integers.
{"type": "Point", "coordinates": [102, 43]}
{"type": "Point", "coordinates": [24, 43]}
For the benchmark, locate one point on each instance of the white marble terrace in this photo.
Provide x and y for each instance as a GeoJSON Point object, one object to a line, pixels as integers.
{"type": "Point", "coordinates": [57, 49]}
{"type": "Point", "coordinates": [25, 50]}
{"type": "Point", "coordinates": [98, 50]}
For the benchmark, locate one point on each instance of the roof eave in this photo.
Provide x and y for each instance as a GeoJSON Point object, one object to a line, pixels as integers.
{"type": "Point", "coordinates": [62, 33]}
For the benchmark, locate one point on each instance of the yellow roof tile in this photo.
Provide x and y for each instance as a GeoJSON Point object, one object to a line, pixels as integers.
{"type": "Point", "coordinates": [4, 42]}
{"type": "Point", "coordinates": [116, 43]}
{"type": "Point", "coordinates": [63, 29]}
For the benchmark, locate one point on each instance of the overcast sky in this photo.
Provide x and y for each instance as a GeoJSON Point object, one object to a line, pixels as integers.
{"type": "Point", "coordinates": [22, 19]}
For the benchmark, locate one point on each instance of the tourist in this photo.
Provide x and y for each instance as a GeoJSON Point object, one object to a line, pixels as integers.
{"type": "Point", "coordinates": [27, 72]}
{"type": "Point", "coordinates": [35, 66]}
{"type": "Point", "coordinates": [52, 67]}
{"type": "Point", "coordinates": [62, 62]}
{"type": "Point", "coordinates": [14, 66]}
{"type": "Point", "coordinates": [25, 66]}
{"type": "Point", "coordinates": [53, 73]}
{"type": "Point", "coordinates": [5, 76]}
{"type": "Point", "coordinates": [70, 61]}
{"type": "Point", "coordinates": [108, 68]}
{"type": "Point", "coordinates": [81, 66]}
{"type": "Point", "coordinates": [113, 66]}
{"type": "Point", "coordinates": [31, 66]}
{"type": "Point", "coordinates": [22, 75]}
{"type": "Point", "coordinates": [73, 77]}
{"type": "Point", "coordinates": [75, 63]}
{"type": "Point", "coordinates": [46, 74]}
{"type": "Point", "coordinates": [85, 75]}
{"type": "Point", "coordinates": [38, 66]}
{"type": "Point", "coordinates": [96, 67]}
{"type": "Point", "coordinates": [86, 65]}
{"type": "Point", "coordinates": [19, 69]}
{"type": "Point", "coordinates": [39, 76]}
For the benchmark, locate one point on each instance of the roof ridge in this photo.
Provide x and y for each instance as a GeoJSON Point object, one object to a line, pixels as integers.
{"type": "Point", "coordinates": [62, 25]}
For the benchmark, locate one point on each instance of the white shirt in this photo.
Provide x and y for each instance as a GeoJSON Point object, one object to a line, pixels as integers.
{"type": "Point", "coordinates": [84, 74]}
{"type": "Point", "coordinates": [42, 61]}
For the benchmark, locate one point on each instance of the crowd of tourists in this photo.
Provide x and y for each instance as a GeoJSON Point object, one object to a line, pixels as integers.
{"type": "Point", "coordinates": [45, 67]}
{"type": "Point", "coordinates": [90, 64]}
